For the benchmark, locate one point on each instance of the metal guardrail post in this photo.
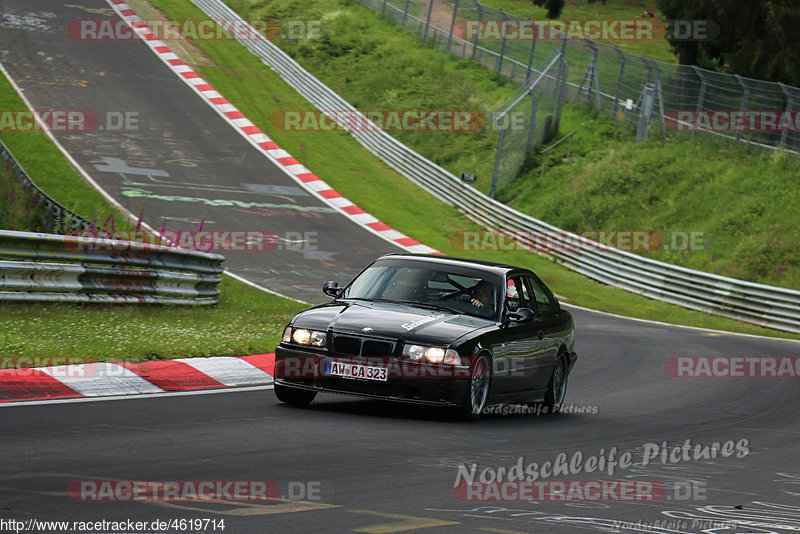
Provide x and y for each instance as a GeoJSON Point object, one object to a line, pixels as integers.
{"type": "Point", "coordinates": [405, 13]}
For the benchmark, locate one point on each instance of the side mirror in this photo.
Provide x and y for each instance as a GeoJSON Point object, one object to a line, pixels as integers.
{"type": "Point", "coordinates": [332, 289]}
{"type": "Point", "coordinates": [522, 315]}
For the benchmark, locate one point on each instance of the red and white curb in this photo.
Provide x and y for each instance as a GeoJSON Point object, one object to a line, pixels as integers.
{"type": "Point", "coordinates": [102, 379]}
{"type": "Point", "coordinates": [252, 133]}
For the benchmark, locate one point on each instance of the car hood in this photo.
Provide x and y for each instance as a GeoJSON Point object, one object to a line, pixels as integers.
{"type": "Point", "coordinates": [390, 320]}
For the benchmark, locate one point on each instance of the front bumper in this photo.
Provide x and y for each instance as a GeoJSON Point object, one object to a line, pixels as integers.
{"type": "Point", "coordinates": [408, 381]}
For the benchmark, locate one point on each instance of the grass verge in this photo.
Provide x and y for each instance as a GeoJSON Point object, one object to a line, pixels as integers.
{"type": "Point", "coordinates": [18, 211]}
{"type": "Point", "coordinates": [246, 321]}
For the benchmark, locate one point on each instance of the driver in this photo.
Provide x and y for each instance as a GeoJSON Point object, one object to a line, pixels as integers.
{"type": "Point", "coordinates": [483, 296]}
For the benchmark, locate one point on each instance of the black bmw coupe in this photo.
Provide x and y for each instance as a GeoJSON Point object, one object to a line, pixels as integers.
{"type": "Point", "coordinates": [431, 330]}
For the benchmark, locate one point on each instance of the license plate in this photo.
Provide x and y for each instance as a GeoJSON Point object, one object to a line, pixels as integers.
{"type": "Point", "coordinates": [355, 370]}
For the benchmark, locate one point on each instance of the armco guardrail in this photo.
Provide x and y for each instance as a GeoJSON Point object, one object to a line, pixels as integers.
{"type": "Point", "coordinates": [47, 267]}
{"type": "Point", "coordinates": [764, 305]}
{"type": "Point", "coordinates": [56, 213]}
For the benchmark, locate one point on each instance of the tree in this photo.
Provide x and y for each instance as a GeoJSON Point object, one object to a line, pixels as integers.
{"type": "Point", "coordinates": [757, 38]}
{"type": "Point", "coordinates": [553, 7]}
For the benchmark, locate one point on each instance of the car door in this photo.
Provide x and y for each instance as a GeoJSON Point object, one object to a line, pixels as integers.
{"type": "Point", "coordinates": [517, 352]}
{"type": "Point", "coordinates": [548, 324]}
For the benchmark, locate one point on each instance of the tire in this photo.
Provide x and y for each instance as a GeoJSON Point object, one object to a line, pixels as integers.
{"type": "Point", "coordinates": [294, 397]}
{"type": "Point", "coordinates": [557, 388]}
{"type": "Point", "coordinates": [477, 391]}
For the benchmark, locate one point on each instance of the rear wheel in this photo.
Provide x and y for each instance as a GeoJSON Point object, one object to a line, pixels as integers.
{"type": "Point", "coordinates": [557, 388]}
{"type": "Point", "coordinates": [294, 397]}
{"type": "Point", "coordinates": [477, 392]}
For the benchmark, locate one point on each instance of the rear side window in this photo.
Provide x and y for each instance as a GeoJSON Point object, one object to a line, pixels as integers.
{"type": "Point", "coordinates": [546, 303]}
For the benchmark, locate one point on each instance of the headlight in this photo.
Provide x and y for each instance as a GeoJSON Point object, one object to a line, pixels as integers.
{"type": "Point", "coordinates": [301, 336]}
{"type": "Point", "coordinates": [431, 354]}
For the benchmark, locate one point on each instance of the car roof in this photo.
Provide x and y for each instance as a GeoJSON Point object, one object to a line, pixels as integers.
{"type": "Point", "coordinates": [495, 267]}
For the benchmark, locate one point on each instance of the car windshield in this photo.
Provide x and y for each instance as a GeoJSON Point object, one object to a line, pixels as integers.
{"type": "Point", "coordinates": [466, 293]}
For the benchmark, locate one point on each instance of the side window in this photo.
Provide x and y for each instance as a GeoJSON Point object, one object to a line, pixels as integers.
{"type": "Point", "coordinates": [518, 295]}
{"type": "Point", "coordinates": [546, 303]}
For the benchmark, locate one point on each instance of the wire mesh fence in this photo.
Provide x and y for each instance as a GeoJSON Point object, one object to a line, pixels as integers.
{"type": "Point", "coordinates": [687, 101]}
{"type": "Point", "coordinates": [530, 118]}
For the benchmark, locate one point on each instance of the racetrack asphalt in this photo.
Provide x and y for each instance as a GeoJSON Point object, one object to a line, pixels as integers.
{"type": "Point", "coordinates": [366, 466]}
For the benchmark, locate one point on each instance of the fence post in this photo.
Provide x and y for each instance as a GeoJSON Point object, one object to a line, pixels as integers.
{"type": "Point", "coordinates": [561, 83]}
{"type": "Point", "coordinates": [405, 13]}
{"type": "Point", "coordinates": [660, 97]}
{"type": "Point", "coordinates": [592, 74]}
{"type": "Point", "coordinates": [532, 126]}
{"type": "Point", "coordinates": [477, 33]}
{"type": "Point", "coordinates": [618, 91]}
{"type": "Point", "coordinates": [535, 31]}
{"type": "Point", "coordinates": [427, 22]}
{"type": "Point", "coordinates": [496, 170]}
{"type": "Point", "coordinates": [646, 112]}
{"type": "Point", "coordinates": [498, 66]}
{"type": "Point", "coordinates": [452, 25]}
{"type": "Point", "coordinates": [700, 98]}
{"type": "Point", "coordinates": [745, 100]}
{"type": "Point", "coordinates": [789, 104]}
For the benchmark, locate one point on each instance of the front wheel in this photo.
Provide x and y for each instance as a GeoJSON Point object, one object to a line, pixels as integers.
{"type": "Point", "coordinates": [557, 388]}
{"type": "Point", "coordinates": [477, 391]}
{"type": "Point", "coordinates": [293, 396]}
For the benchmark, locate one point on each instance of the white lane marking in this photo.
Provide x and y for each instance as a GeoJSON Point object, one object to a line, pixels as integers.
{"type": "Point", "coordinates": [650, 321]}
{"type": "Point", "coordinates": [228, 370]}
{"type": "Point", "coordinates": [262, 288]}
{"type": "Point", "coordinates": [135, 397]}
{"type": "Point", "coordinates": [100, 379]}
